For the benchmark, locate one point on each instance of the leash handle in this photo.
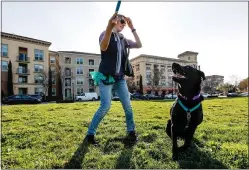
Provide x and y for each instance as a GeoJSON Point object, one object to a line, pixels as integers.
{"type": "Point", "coordinates": [118, 6]}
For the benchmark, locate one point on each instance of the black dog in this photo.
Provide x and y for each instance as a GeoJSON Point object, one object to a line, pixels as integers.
{"type": "Point", "coordinates": [186, 112]}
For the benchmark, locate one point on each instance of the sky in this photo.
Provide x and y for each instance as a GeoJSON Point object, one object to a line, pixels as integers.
{"type": "Point", "coordinates": [218, 31]}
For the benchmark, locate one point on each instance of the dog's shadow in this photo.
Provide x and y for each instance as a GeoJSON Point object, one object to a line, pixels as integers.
{"type": "Point", "coordinates": [79, 155]}
{"type": "Point", "coordinates": [193, 158]}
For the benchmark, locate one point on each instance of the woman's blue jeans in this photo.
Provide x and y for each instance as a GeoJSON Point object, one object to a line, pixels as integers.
{"type": "Point", "coordinates": [120, 87]}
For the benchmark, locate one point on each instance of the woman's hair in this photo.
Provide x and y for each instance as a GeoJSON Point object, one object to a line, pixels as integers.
{"type": "Point", "coordinates": [120, 16]}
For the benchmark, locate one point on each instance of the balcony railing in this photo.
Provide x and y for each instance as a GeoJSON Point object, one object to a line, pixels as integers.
{"type": "Point", "coordinates": [22, 71]}
{"type": "Point", "coordinates": [23, 58]}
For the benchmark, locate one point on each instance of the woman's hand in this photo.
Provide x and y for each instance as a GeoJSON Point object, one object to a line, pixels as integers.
{"type": "Point", "coordinates": [129, 23]}
{"type": "Point", "coordinates": [113, 20]}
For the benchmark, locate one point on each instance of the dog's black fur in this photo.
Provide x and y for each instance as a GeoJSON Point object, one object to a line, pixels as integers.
{"type": "Point", "coordinates": [188, 86]}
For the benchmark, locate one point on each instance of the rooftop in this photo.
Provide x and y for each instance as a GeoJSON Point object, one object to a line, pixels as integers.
{"type": "Point", "coordinates": [23, 38]}
{"type": "Point", "coordinates": [77, 52]}
{"type": "Point", "coordinates": [158, 57]}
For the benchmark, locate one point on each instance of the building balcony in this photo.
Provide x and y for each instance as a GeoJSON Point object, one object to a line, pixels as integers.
{"type": "Point", "coordinates": [22, 58]}
{"type": "Point", "coordinates": [22, 71]}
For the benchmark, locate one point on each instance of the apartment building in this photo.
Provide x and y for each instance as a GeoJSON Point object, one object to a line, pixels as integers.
{"type": "Point", "coordinates": [29, 58]}
{"type": "Point", "coordinates": [54, 65]}
{"type": "Point", "coordinates": [75, 69]}
{"type": "Point", "coordinates": [212, 82]}
{"type": "Point", "coordinates": [145, 65]}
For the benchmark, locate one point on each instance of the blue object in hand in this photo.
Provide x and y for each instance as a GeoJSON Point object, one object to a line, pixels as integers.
{"type": "Point", "coordinates": [118, 6]}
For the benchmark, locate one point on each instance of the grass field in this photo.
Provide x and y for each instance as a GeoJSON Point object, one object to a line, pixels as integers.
{"type": "Point", "coordinates": [51, 136]}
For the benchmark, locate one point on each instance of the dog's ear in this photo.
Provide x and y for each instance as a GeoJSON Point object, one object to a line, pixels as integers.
{"type": "Point", "coordinates": [202, 74]}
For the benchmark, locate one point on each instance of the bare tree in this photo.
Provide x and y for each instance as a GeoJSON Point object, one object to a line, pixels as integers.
{"type": "Point", "coordinates": [42, 78]}
{"type": "Point", "coordinates": [154, 79]}
{"type": "Point", "coordinates": [234, 80]}
{"type": "Point", "coordinates": [131, 84]}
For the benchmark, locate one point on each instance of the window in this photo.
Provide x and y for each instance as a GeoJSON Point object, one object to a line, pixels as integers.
{"type": "Point", "coordinates": [80, 91]}
{"type": "Point", "coordinates": [147, 67]}
{"type": "Point", "coordinates": [163, 77]}
{"type": "Point", "coordinates": [4, 65]}
{"type": "Point", "coordinates": [91, 83]}
{"type": "Point", "coordinates": [39, 55]}
{"type": "Point", "coordinates": [53, 91]}
{"type": "Point", "coordinates": [38, 79]}
{"type": "Point", "coordinates": [169, 68]}
{"type": "Point", "coordinates": [79, 60]}
{"type": "Point", "coordinates": [53, 70]}
{"type": "Point", "coordinates": [38, 68]}
{"type": "Point", "coordinates": [22, 79]}
{"type": "Point", "coordinates": [79, 81]}
{"type": "Point", "coordinates": [91, 62]}
{"type": "Point", "coordinates": [148, 75]}
{"type": "Point", "coordinates": [39, 90]}
{"type": "Point", "coordinates": [4, 50]}
{"type": "Point", "coordinates": [188, 58]}
{"type": "Point", "coordinates": [68, 60]}
{"type": "Point", "coordinates": [67, 82]}
{"type": "Point", "coordinates": [79, 71]}
{"type": "Point", "coordinates": [22, 91]}
{"type": "Point", "coordinates": [53, 80]}
{"type": "Point", "coordinates": [91, 90]}
{"type": "Point", "coordinates": [52, 59]}
{"type": "Point", "coordinates": [163, 82]}
{"type": "Point", "coordinates": [137, 77]}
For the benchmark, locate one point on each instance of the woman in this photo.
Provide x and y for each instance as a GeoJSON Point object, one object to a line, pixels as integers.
{"type": "Point", "coordinates": [112, 69]}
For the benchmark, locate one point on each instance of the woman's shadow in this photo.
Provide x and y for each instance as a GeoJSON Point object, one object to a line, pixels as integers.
{"type": "Point", "coordinates": [193, 158]}
{"type": "Point", "coordinates": [78, 157]}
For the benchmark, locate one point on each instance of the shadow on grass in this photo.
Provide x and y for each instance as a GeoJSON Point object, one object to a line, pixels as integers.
{"type": "Point", "coordinates": [193, 158]}
{"type": "Point", "coordinates": [124, 159]}
{"type": "Point", "coordinates": [78, 157]}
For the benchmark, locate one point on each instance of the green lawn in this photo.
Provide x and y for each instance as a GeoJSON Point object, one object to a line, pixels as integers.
{"type": "Point", "coordinates": [51, 136]}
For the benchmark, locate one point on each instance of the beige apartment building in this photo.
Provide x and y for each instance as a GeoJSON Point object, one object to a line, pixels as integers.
{"type": "Point", "coordinates": [75, 69]}
{"type": "Point", "coordinates": [145, 64]}
{"type": "Point", "coordinates": [29, 59]}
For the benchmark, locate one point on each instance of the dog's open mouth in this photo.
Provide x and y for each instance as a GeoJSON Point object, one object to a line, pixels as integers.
{"type": "Point", "coordinates": [178, 75]}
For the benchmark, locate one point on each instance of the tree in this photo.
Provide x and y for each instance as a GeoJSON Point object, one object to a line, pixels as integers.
{"type": "Point", "coordinates": [154, 79]}
{"type": "Point", "coordinates": [131, 85]}
{"type": "Point", "coordinates": [10, 80]}
{"type": "Point", "coordinates": [49, 83]}
{"type": "Point", "coordinates": [243, 85]}
{"type": "Point", "coordinates": [60, 88]}
{"type": "Point", "coordinates": [42, 78]}
{"type": "Point", "coordinates": [141, 85]}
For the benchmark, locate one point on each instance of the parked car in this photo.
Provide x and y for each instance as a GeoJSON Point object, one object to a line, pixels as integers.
{"type": "Point", "coordinates": [116, 98]}
{"type": "Point", "coordinates": [87, 96]}
{"type": "Point", "coordinates": [244, 94]}
{"type": "Point", "coordinates": [21, 99]}
{"type": "Point", "coordinates": [232, 95]}
{"type": "Point", "coordinates": [205, 95]}
{"type": "Point", "coordinates": [138, 96]}
{"type": "Point", "coordinates": [169, 96]}
{"type": "Point", "coordinates": [36, 96]}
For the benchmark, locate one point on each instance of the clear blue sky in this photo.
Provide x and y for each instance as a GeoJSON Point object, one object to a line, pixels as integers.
{"type": "Point", "coordinates": [218, 31]}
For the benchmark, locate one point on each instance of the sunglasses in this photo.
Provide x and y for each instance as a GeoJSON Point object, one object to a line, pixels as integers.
{"type": "Point", "coordinates": [122, 21]}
